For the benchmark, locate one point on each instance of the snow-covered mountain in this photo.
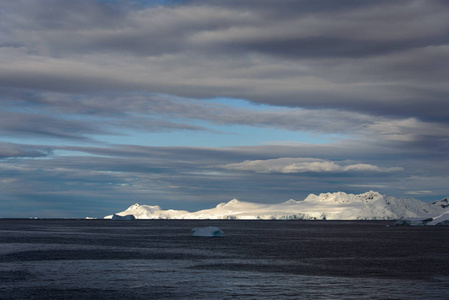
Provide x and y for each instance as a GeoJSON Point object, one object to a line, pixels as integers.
{"type": "Point", "coordinates": [329, 206]}
{"type": "Point", "coordinates": [443, 203]}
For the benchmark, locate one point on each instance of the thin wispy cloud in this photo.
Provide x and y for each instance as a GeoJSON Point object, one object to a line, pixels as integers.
{"type": "Point", "coordinates": [305, 165]}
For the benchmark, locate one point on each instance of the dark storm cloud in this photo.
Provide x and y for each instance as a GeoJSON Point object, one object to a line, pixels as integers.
{"type": "Point", "coordinates": [331, 30]}
{"type": "Point", "coordinates": [379, 57]}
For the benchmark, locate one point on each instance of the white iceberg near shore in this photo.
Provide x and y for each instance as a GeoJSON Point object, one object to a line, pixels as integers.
{"type": "Point", "coordinates": [326, 206]}
{"type": "Point", "coordinates": [207, 232]}
{"type": "Point", "coordinates": [123, 218]}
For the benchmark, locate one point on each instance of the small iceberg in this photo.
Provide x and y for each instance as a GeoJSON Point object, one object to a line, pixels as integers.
{"type": "Point", "coordinates": [123, 218]}
{"type": "Point", "coordinates": [207, 232]}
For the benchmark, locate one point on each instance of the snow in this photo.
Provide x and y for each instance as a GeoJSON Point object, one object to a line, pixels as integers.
{"type": "Point", "coordinates": [443, 203]}
{"type": "Point", "coordinates": [150, 212]}
{"type": "Point", "coordinates": [341, 197]}
{"type": "Point", "coordinates": [440, 220]}
{"type": "Point", "coordinates": [207, 232]}
{"type": "Point", "coordinates": [330, 206]}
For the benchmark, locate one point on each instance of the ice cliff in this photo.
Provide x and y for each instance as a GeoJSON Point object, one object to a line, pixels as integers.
{"type": "Point", "coordinates": [330, 206]}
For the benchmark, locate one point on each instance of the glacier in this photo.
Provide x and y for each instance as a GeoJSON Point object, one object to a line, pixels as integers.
{"type": "Point", "coordinates": [440, 220]}
{"type": "Point", "coordinates": [326, 206]}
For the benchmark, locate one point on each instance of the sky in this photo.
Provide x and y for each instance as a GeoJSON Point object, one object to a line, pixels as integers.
{"type": "Point", "coordinates": [186, 104]}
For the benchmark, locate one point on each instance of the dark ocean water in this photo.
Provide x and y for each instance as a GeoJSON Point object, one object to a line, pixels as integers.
{"type": "Point", "coordinates": [104, 259]}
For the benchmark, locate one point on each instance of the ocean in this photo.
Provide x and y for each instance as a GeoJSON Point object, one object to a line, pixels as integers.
{"type": "Point", "coordinates": [159, 259]}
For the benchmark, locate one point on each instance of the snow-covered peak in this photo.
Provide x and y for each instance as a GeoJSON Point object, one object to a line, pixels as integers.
{"type": "Point", "coordinates": [342, 197]}
{"type": "Point", "coordinates": [138, 207]}
{"type": "Point", "coordinates": [134, 206]}
{"type": "Point", "coordinates": [234, 201]}
{"type": "Point", "coordinates": [442, 203]}
{"type": "Point", "coordinates": [230, 203]}
{"type": "Point", "coordinates": [370, 196]}
{"type": "Point", "coordinates": [291, 201]}
{"type": "Point", "coordinates": [150, 212]}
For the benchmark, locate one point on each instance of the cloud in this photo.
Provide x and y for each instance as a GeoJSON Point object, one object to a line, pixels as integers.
{"type": "Point", "coordinates": [419, 192]}
{"type": "Point", "coordinates": [305, 165]}
{"type": "Point", "coordinates": [36, 125]}
{"type": "Point", "coordinates": [10, 150]}
{"type": "Point", "coordinates": [78, 116]}
{"type": "Point", "coordinates": [383, 57]}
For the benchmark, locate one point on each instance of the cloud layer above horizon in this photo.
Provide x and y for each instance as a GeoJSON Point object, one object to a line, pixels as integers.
{"type": "Point", "coordinates": [184, 104]}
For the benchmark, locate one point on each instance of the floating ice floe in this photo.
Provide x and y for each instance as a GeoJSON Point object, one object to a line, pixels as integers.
{"type": "Point", "coordinates": [207, 232]}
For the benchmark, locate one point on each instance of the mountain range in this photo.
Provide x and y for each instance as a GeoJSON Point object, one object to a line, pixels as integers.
{"type": "Point", "coordinates": [326, 206]}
